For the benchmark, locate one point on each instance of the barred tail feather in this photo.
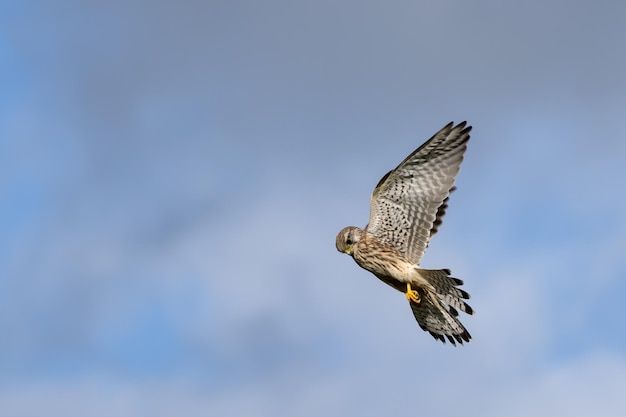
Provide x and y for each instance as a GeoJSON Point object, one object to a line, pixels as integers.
{"type": "Point", "coordinates": [441, 322]}
{"type": "Point", "coordinates": [446, 288]}
{"type": "Point", "coordinates": [437, 312]}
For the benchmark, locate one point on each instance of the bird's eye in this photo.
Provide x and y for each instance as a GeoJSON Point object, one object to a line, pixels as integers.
{"type": "Point", "coordinates": [348, 241]}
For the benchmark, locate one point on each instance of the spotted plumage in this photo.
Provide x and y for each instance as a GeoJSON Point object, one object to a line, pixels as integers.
{"type": "Point", "coordinates": [406, 209]}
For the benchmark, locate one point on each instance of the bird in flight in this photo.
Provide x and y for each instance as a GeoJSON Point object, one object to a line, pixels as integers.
{"type": "Point", "coordinates": [406, 209]}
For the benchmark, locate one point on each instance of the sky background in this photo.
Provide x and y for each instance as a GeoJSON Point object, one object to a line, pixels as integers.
{"type": "Point", "coordinates": [173, 176]}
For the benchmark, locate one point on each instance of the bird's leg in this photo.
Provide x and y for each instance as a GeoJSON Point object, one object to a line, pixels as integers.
{"type": "Point", "coordinates": [411, 294]}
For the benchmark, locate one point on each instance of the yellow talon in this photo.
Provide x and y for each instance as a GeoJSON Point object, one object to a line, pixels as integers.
{"type": "Point", "coordinates": [411, 294]}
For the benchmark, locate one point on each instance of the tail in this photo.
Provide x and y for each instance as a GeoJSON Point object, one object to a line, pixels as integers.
{"type": "Point", "coordinates": [437, 311]}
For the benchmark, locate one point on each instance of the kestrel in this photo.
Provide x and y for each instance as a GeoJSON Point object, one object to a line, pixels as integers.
{"type": "Point", "coordinates": [406, 209]}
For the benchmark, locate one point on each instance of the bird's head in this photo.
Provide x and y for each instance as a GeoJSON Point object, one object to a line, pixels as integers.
{"type": "Point", "coordinates": [347, 238]}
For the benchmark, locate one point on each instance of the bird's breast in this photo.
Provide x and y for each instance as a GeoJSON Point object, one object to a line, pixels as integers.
{"type": "Point", "coordinates": [384, 261]}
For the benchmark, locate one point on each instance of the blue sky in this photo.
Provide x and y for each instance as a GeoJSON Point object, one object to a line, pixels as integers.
{"type": "Point", "coordinates": [173, 175]}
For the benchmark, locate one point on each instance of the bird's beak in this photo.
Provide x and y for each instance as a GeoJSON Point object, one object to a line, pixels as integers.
{"type": "Point", "coordinates": [348, 250]}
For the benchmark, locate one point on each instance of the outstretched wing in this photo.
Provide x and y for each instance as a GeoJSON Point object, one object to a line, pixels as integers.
{"type": "Point", "coordinates": [407, 204]}
{"type": "Point", "coordinates": [441, 211]}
